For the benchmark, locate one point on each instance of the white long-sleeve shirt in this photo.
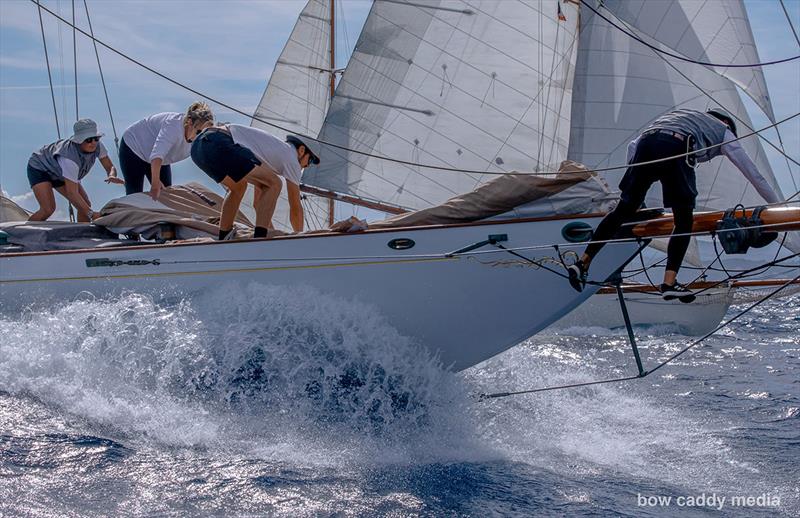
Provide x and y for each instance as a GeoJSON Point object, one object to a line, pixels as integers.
{"type": "Point", "coordinates": [159, 136]}
{"type": "Point", "coordinates": [736, 154]}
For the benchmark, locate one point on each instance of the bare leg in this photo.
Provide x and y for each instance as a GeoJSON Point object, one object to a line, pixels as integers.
{"type": "Point", "coordinates": [230, 205]}
{"type": "Point", "coordinates": [257, 192]}
{"type": "Point", "coordinates": [71, 191]}
{"type": "Point", "coordinates": [43, 191]}
{"type": "Point", "coordinates": [268, 187]}
{"type": "Point", "coordinates": [83, 218]}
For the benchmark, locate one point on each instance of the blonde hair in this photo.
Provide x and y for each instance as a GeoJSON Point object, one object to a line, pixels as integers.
{"type": "Point", "coordinates": [199, 113]}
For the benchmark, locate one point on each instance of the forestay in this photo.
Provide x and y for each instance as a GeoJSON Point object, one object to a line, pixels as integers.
{"type": "Point", "coordinates": [480, 85]}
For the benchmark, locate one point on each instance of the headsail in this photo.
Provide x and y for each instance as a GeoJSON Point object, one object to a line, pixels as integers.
{"type": "Point", "coordinates": [621, 86]}
{"type": "Point", "coordinates": [714, 32]}
{"type": "Point", "coordinates": [297, 98]}
{"type": "Point", "coordinates": [480, 85]}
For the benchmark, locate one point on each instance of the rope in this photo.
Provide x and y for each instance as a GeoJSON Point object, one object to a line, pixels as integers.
{"type": "Point", "coordinates": [102, 77]}
{"type": "Point", "coordinates": [654, 369]}
{"type": "Point", "coordinates": [743, 274]}
{"type": "Point", "coordinates": [678, 56]}
{"type": "Point", "coordinates": [383, 157]}
{"type": "Point", "coordinates": [49, 74]}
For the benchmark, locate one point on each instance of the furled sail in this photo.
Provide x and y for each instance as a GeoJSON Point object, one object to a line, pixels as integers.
{"type": "Point", "coordinates": [621, 86]}
{"type": "Point", "coordinates": [480, 85]}
{"type": "Point", "coordinates": [297, 98]}
{"type": "Point", "coordinates": [713, 32]}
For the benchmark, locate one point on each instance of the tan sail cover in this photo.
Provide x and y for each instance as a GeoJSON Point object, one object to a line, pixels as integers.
{"type": "Point", "coordinates": [192, 208]}
{"type": "Point", "coordinates": [501, 195]}
{"type": "Point", "coordinates": [10, 211]}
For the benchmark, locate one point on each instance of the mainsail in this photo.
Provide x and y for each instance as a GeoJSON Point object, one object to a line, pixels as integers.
{"type": "Point", "coordinates": [297, 98]}
{"type": "Point", "coordinates": [479, 85]}
{"type": "Point", "coordinates": [621, 85]}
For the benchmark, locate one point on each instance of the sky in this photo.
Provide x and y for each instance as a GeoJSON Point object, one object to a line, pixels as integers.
{"type": "Point", "coordinates": [225, 49]}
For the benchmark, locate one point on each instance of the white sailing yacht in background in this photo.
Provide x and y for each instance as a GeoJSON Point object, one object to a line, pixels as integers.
{"type": "Point", "coordinates": [486, 86]}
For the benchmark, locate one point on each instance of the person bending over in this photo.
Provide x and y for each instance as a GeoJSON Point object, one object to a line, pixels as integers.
{"type": "Point", "coordinates": [672, 134]}
{"type": "Point", "coordinates": [151, 144]}
{"type": "Point", "coordinates": [62, 165]}
{"type": "Point", "coordinates": [235, 155]}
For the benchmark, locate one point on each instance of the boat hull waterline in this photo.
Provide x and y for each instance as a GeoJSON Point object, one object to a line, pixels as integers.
{"type": "Point", "coordinates": [465, 308]}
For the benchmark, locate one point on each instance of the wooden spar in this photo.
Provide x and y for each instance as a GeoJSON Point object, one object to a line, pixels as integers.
{"type": "Point", "coordinates": [390, 209]}
{"type": "Point", "coordinates": [700, 285]}
{"type": "Point", "coordinates": [779, 219]}
{"type": "Point", "coordinates": [331, 201]}
{"type": "Point", "coordinates": [762, 283]}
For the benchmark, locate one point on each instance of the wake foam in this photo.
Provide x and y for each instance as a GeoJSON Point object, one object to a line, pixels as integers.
{"type": "Point", "coordinates": [242, 364]}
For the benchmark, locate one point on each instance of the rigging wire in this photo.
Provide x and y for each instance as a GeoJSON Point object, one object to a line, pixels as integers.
{"type": "Point", "coordinates": [678, 56]}
{"type": "Point", "coordinates": [102, 77]}
{"type": "Point", "coordinates": [663, 363]}
{"type": "Point", "coordinates": [791, 25]}
{"type": "Point", "coordinates": [797, 39]}
{"type": "Point", "coordinates": [382, 157]}
{"type": "Point", "coordinates": [75, 60]}
{"type": "Point", "coordinates": [62, 73]}
{"type": "Point", "coordinates": [49, 74]}
{"type": "Point", "coordinates": [781, 150]}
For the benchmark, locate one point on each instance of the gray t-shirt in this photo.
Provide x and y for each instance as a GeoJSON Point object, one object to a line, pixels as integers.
{"type": "Point", "coordinates": [50, 158]}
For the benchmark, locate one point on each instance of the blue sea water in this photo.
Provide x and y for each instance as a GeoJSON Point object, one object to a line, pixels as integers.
{"type": "Point", "coordinates": [262, 402]}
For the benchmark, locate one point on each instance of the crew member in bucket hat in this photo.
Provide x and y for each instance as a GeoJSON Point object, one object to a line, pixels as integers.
{"type": "Point", "coordinates": [235, 155]}
{"type": "Point", "coordinates": [62, 165]}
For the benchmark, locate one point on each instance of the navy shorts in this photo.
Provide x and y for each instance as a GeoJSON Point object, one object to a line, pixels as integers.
{"type": "Point", "coordinates": [216, 153]}
{"type": "Point", "coordinates": [36, 176]}
{"type": "Point", "coordinates": [677, 177]}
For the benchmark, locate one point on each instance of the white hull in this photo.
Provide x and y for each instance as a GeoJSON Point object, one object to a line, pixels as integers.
{"type": "Point", "coordinates": [464, 308]}
{"type": "Point", "coordinates": [649, 309]}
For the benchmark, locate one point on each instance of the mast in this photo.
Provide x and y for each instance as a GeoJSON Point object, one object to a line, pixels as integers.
{"type": "Point", "coordinates": [331, 201]}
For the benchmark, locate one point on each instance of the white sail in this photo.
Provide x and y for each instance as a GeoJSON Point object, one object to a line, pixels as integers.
{"type": "Point", "coordinates": [621, 86]}
{"type": "Point", "coordinates": [480, 85]}
{"type": "Point", "coordinates": [713, 32]}
{"type": "Point", "coordinates": [297, 98]}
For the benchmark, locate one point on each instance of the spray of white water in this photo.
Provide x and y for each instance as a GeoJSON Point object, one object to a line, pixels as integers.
{"type": "Point", "coordinates": [290, 372]}
{"type": "Point", "coordinates": [302, 377]}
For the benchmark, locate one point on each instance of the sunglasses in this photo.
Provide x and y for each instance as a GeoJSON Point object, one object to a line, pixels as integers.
{"type": "Point", "coordinates": [91, 139]}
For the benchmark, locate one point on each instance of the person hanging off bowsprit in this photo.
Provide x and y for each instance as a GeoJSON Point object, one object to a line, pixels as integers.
{"type": "Point", "coordinates": [712, 133]}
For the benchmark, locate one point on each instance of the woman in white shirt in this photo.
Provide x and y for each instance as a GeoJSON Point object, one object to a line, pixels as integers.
{"type": "Point", "coordinates": [150, 145]}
